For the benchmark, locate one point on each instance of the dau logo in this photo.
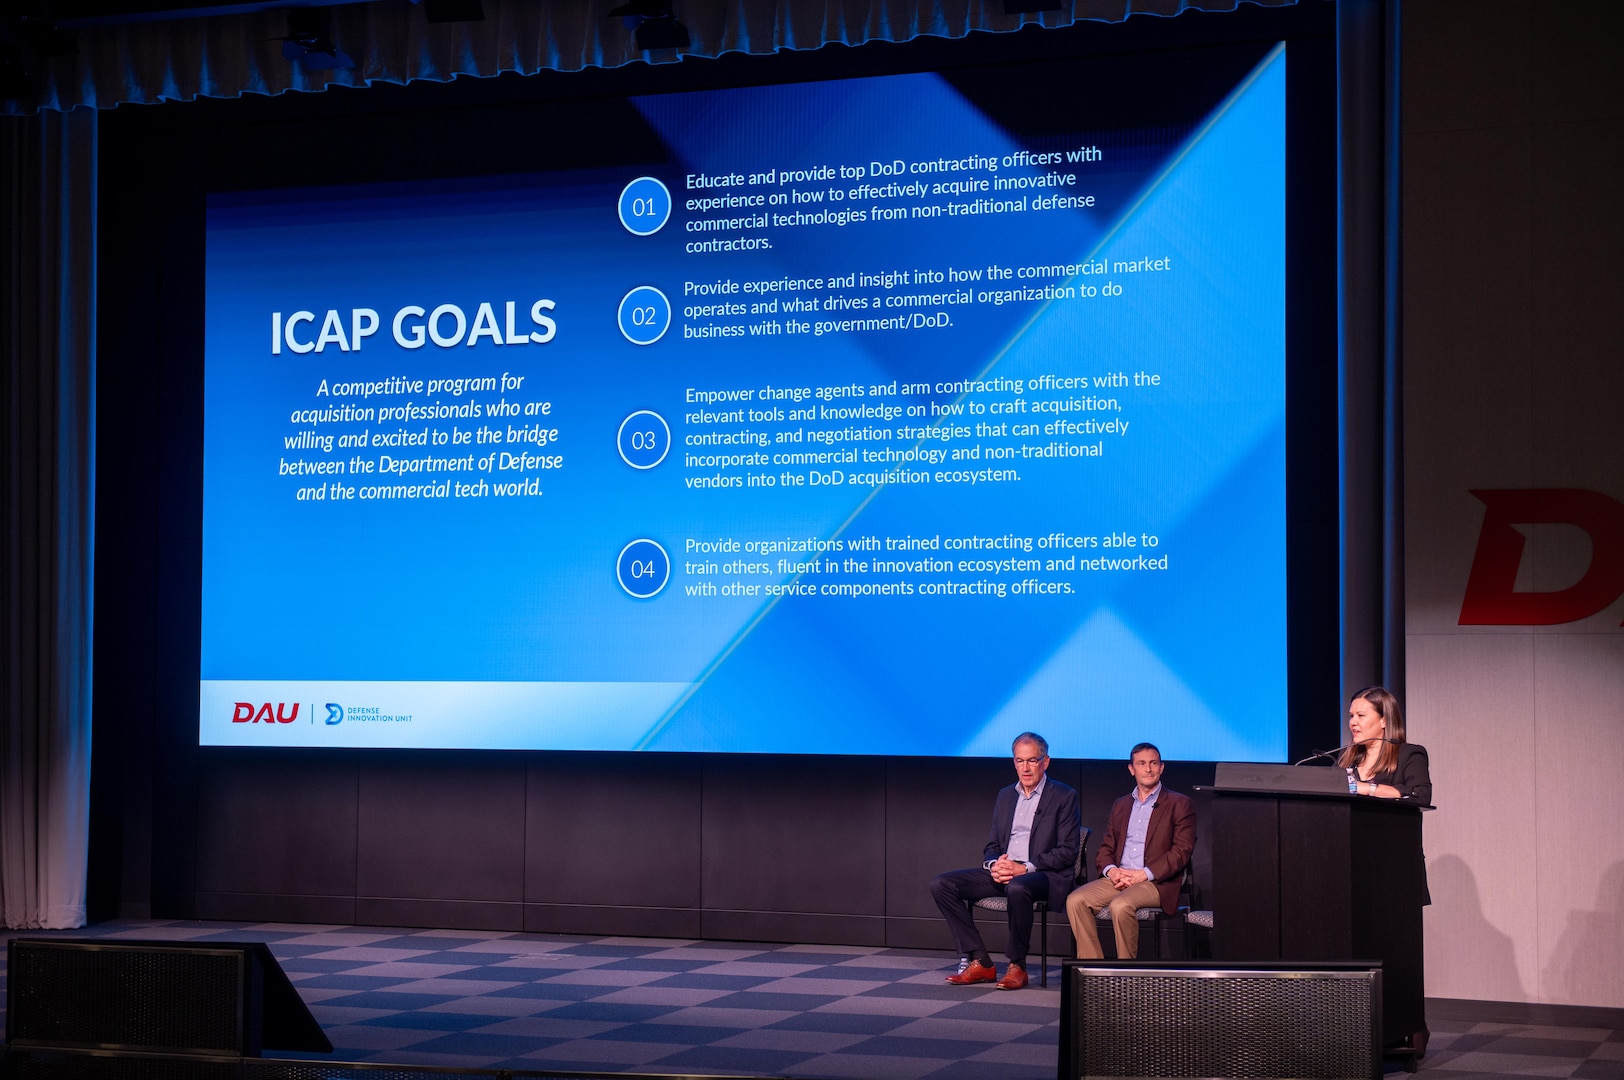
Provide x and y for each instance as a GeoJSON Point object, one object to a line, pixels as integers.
{"type": "Point", "coordinates": [1490, 598]}
{"type": "Point", "coordinates": [248, 713]}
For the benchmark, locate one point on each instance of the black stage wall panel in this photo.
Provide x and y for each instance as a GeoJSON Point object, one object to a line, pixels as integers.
{"type": "Point", "coordinates": [837, 850]}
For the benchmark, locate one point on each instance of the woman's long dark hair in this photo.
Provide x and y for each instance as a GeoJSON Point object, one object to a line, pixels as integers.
{"type": "Point", "coordinates": [1386, 706]}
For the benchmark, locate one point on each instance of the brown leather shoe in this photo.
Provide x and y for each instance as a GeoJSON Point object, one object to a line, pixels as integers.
{"type": "Point", "coordinates": [977, 972]}
{"type": "Point", "coordinates": [1014, 978]}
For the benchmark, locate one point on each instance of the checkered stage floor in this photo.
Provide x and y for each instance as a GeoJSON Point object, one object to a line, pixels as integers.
{"type": "Point", "coordinates": [554, 1002]}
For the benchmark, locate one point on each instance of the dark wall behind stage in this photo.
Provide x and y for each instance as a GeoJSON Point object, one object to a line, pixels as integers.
{"type": "Point", "coordinates": [733, 847]}
{"type": "Point", "coordinates": [814, 849]}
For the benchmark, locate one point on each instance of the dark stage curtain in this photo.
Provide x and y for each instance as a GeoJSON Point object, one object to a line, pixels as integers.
{"type": "Point", "coordinates": [47, 496]}
{"type": "Point", "coordinates": [230, 55]}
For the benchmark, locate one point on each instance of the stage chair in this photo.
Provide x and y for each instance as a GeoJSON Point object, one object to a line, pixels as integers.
{"type": "Point", "coordinates": [1198, 920]}
{"type": "Point", "coordinates": [1079, 871]}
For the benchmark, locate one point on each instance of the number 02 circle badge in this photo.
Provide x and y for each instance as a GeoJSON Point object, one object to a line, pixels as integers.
{"type": "Point", "coordinates": [643, 568]}
{"type": "Point", "coordinates": [645, 315]}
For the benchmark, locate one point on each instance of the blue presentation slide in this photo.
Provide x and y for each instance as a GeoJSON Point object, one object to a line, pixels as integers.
{"type": "Point", "coordinates": [865, 422]}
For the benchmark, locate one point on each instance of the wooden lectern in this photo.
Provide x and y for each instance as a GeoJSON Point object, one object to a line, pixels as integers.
{"type": "Point", "coordinates": [1304, 874]}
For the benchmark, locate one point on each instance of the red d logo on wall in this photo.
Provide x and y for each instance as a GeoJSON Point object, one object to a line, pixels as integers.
{"type": "Point", "coordinates": [1490, 600]}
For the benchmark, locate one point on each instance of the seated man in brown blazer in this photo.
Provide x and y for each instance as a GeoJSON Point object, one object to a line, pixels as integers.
{"type": "Point", "coordinates": [1147, 845]}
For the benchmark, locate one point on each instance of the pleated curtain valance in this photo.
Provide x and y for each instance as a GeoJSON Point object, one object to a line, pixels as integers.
{"type": "Point", "coordinates": [392, 41]}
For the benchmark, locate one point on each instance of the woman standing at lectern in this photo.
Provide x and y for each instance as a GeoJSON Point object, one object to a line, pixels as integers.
{"type": "Point", "coordinates": [1382, 763]}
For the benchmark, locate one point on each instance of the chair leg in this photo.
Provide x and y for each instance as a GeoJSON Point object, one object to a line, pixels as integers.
{"type": "Point", "coordinates": [1150, 939]}
{"type": "Point", "coordinates": [1043, 935]}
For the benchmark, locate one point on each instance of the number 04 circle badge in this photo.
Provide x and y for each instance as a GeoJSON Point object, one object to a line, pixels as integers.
{"type": "Point", "coordinates": [645, 315]}
{"type": "Point", "coordinates": [643, 568]}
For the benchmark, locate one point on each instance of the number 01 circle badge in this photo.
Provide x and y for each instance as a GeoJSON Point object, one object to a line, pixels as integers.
{"type": "Point", "coordinates": [645, 315]}
{"type": "Point", "coordinates": [643, 568]}
{"type": "Point", "coordinates": [644, 206]}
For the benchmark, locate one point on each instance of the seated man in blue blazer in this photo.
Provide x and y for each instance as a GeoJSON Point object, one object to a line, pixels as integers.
{"type": "Point", "coordinates": [1030, 856]}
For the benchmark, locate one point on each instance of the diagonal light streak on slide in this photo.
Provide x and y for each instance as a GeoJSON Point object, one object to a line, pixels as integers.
{"type": "Point", "coordinates": [1235, 95]}
{"type": "Point", "coordinates": [1015, 338]}
{"type": "Point", "coordinates": [1127, 215]}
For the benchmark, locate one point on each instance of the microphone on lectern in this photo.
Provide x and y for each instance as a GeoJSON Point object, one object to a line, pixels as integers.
{"type": "Point", "coordinates": [1328, 754]}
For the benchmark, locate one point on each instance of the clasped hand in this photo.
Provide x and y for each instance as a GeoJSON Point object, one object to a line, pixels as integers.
{"type": "Point", "coordinates": [1005, 869]}
{"type": "Point", "coordinates": [1122, 879]}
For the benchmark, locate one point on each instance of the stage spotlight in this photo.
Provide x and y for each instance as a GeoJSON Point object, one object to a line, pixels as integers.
{"type": "Point", "coordinates": [444, 11]}
{"type": "Point", "coordinates": [26, 41]}
{"type": "Point", "coordinates": [642, 9]}
{"type": "Point", "coordinates": [654, 25]}
{"type": "Point", "coordinates": [309, 41]}
{"type": "Point", "coordinates": [661, 34]}
{"type": "Point", "coordinates": [15, 82]}
{"type": "Point", "coordinates": [39, 37]}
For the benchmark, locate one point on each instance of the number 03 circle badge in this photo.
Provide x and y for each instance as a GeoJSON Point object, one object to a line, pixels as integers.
{"type": "Point", "coordinates": [645, 315]}
{"type": "Point", "coordinates": [644, 439]}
